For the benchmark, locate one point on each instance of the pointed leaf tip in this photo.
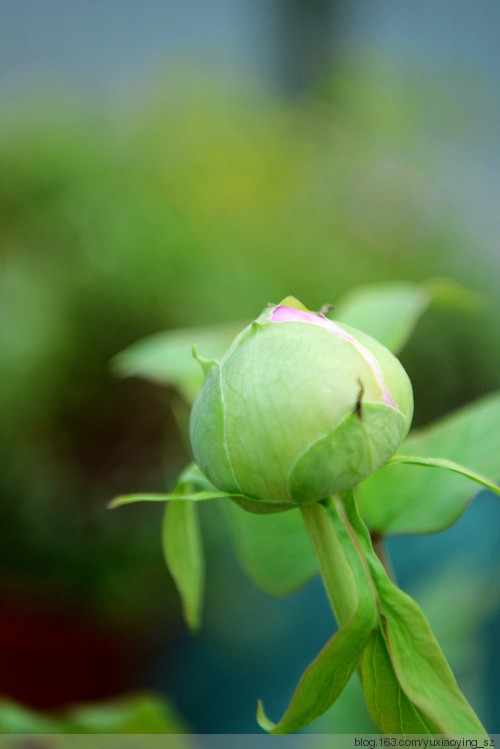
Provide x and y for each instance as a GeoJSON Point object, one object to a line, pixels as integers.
{"type": "Point", "coordinates": [262, 719]}
{"type": "Point", "coordinates": [184, 556]}
{"type": "Point", "coordinates": [128, 499]}
{"type": "Point", "coordinates": [205, 364]}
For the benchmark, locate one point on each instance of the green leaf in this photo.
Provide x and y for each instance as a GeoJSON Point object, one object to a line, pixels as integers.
{"type": "Point", "coordinates": [182, 548]}
{"type": "Point", "coordinates": [194, 479]}
{"type": "Point", "coordinates": [273, 550]}
{"type": "Point", "coordinates": [390, 311]}
{"type": "Point", "coordinates": [127, 499]}
{"type": "Point", "coordinates": [447, 465]}
{"type": "Point", "coordinates": [452, 295]}
{"type": "Point", "coordinates": [15, 718]}
{"type": "Point", "coordinates": [419, 665]}
{"type": "Point", "coordinates": [138, 714]}
{"type": "Point", "coordinates": [291, 301]}
{"type": "Point", "coordinates": [325, 679]}
{"type": "Point", "coordinates": [349, 714]}
{"type": "Point", "coordinates": [389, 706]}
{"type": "Point", "coordinates": [191, 485]}
{"type": "Point", "coordinates": [167, 357]}
{"type": "Point", "coordinates": [406, 500]}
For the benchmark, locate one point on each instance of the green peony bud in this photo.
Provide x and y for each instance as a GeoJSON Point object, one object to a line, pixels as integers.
{"type": "Point", "coordinates": [298, 408]}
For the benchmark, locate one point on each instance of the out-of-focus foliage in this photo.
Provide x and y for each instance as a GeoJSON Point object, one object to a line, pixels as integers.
{"type": "Point", "coordinates": [387, 311]}
{"type": "Point", "coordinates": [193, 208]}
{"type": "Point", "coordinates": [138, 714]}
{"type": "Point", "coordinates": [168, 358]}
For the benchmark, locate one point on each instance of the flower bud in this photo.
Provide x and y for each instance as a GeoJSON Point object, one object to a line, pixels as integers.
{"type": "Point", "coordinates": [298, 408]}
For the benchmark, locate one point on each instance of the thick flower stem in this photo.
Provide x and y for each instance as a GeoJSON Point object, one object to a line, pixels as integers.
{"type": "Point", "coordinates": [335, 570]}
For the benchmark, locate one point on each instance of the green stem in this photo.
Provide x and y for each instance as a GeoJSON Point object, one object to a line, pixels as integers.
{"type": "Point", "coordinates": [335, 570]}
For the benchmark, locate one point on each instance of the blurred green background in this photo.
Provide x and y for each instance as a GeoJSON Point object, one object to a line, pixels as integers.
{"type": "Point", "coordinates": [163, 167]}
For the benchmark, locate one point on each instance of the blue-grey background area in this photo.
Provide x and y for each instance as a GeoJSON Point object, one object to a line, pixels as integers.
{"type": "Point", "coordinates": [108, 51]}
{"type": "Point", "coordinates": [115, 44]}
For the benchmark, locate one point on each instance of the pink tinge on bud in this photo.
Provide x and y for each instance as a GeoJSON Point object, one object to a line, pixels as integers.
{"type": "Point", "coordinates": [289, 314]}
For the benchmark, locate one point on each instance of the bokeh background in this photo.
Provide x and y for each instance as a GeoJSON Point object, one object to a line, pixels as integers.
{"type": "Point", "coordinates": [167, 164]}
